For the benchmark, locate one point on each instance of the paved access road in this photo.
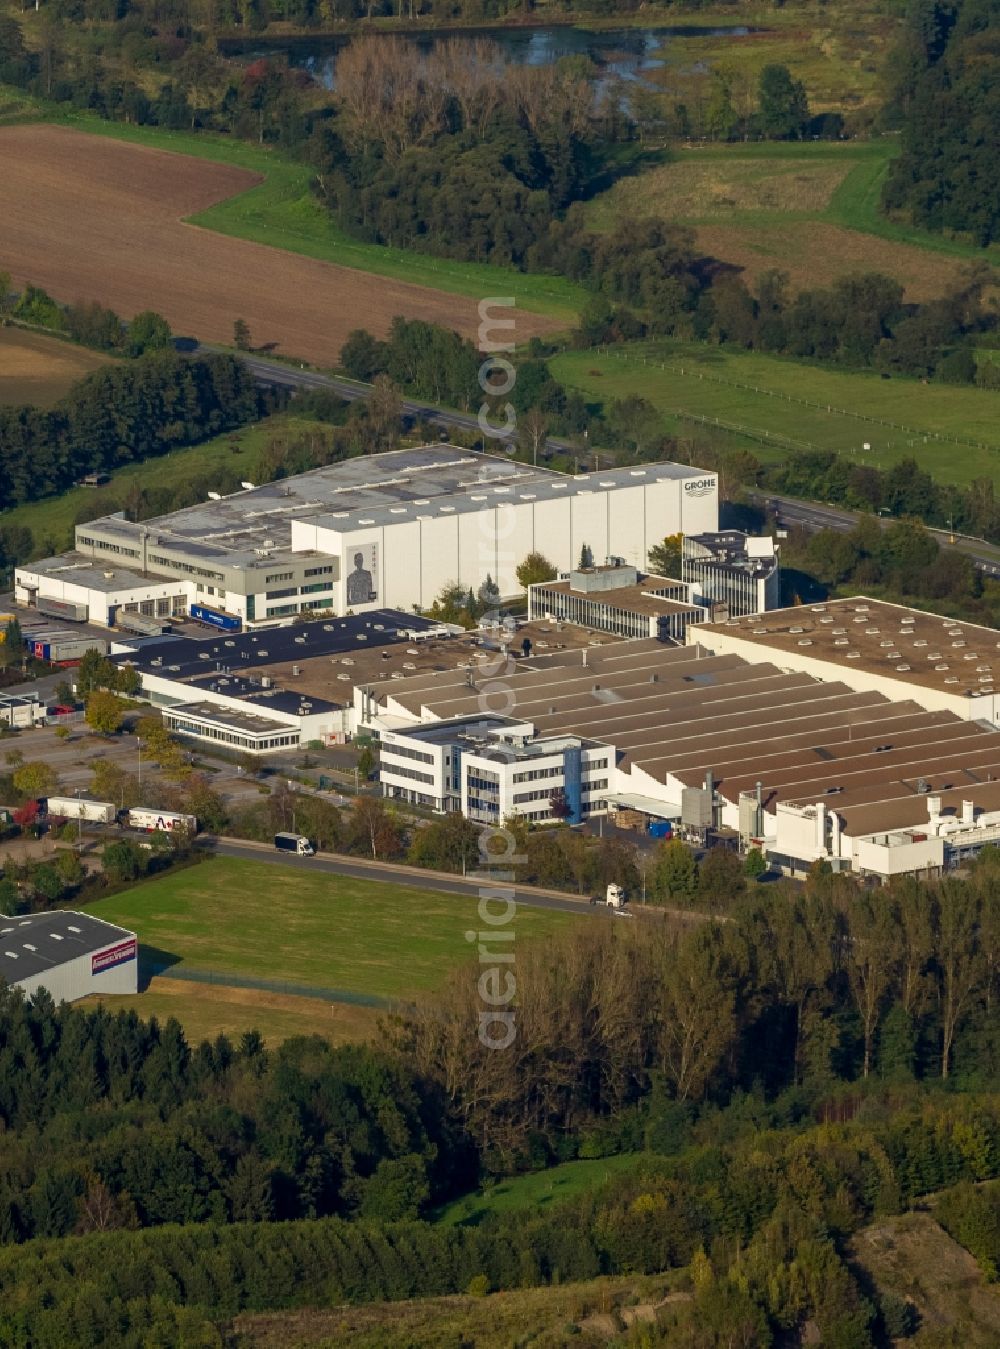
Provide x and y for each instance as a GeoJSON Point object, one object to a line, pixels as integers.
{"type": "Point", "coordinates": [296, 377]}
{"type": "Point", "coordinates": [358, 869]}
{"type": "Point", "coordinates": [812, 516]}
{"type": "Point", "coordinates": [807, 515]}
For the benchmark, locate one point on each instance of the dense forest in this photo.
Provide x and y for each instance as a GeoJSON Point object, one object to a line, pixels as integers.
{"type": "Point", "coordinates": [790, 1073]}
{"type": "Point", "coordinates": [125, 413]}
{"type": "Point", "coordinates": [758, 1208]}
{"type": "Point", "coordinates": [643, 1029]}
{"type": "Point", "coordinates": [946, 99]}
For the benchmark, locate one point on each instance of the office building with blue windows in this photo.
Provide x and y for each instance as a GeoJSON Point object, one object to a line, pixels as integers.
{"type": "Point", "coordinates": [491, 768]}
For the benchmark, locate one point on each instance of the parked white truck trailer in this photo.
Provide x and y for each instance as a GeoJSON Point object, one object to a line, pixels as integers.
{"type": "Point", "coordinates": [166, 820]}
{"type": "Point", "coordinates": [79, 808]}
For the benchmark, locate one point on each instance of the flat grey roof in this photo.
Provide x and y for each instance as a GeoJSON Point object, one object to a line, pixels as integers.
{"type": "Point", "coordinates": [372, 489]}
{"type": "Point", "coordinates": [95, 573]}
{"type": "Point", "coordinates": [238, 720]}
{"type": "Point", "coordinates": [229, 531]}
{"type": "Point", "coordinates": [57, 937]}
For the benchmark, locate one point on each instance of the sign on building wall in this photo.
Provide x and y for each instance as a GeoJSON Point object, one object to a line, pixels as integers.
{"type": "Point", "coordinates": [362, 580]}
{"type": "Point", "coordinates": [119, 954]}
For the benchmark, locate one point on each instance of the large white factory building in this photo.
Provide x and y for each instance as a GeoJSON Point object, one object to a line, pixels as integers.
{"type": "Point", "coordinates": [386, 530]}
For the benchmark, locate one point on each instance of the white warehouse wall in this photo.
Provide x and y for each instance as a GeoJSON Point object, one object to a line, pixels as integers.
{"type": "Point", "coordinates": [76, 979]}
{"type": "Point", "coordinates": [419, 557]}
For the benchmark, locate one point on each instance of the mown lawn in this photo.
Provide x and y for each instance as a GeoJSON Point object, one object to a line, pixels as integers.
{"type": "Point", "coordinates": [264, 921]}
{"type": "Point", "coordinates": [757, 394]}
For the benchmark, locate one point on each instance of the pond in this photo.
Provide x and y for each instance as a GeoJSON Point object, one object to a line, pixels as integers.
{"type": "Point", "coordinates": [619, 53]}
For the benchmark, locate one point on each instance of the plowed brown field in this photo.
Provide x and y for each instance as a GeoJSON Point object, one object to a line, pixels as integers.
{"type": "Point", "coordinates": [90, 218]}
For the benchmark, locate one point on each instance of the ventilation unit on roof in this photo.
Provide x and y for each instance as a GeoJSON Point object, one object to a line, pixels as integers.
{"type": "Point", "coordinates": [805, 641]}
{"type": "Point", "coordinates": [760, 631]}
{"type": "Point", "coordinates": [853, 655]}
{"type": "Point", "coordinates": [839, 632]}
{"type": "Point", "coordinates": [903, 667]}
{"type": "Point", "coordinates": [796, 629]}
{"type": "Point", "coordinates": [841, 641]}
{"type": "Point", "coordinates": [942, 666]}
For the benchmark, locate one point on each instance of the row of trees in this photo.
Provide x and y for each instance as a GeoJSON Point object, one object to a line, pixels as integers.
{"type": "Point", "coordinates": [945, 95]}
{"type": "Point", "coordinates": [123, 414]}
{"type": "Point", "coordinates": [86, 322]}
{"type": "Point", "coordinates": [809, 988]}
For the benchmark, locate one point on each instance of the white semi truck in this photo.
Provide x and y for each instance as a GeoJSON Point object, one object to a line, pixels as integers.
{"type": "Point", "coordinates": [169, 821]}
{"type": "Point", "coordinates": [296, 843]}
{"type": "Point", "coordinates": [614, 897]}
{"type": "Point", "coordinates": [79, 808]}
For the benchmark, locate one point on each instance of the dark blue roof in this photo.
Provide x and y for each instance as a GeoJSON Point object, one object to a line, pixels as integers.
{"type": "Point", "coordinates": [217, 652]}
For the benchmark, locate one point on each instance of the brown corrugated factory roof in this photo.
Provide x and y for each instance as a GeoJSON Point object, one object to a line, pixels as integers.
{"type": "Point", "coordinates": [678, 713]}
{"type": "Point", "coordinates": [880, 638]}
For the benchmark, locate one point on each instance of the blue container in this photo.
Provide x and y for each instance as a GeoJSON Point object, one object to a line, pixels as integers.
{"type": "Point", "coordinates": [661, 829]}
{"type": "Point", "coordinates": [227, 622]}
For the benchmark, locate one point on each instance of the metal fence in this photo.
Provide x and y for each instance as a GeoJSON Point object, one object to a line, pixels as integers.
{"type": "Point", "coordinates": [917, 433]}
{"type": "Point", "coordinates": [151, 967]}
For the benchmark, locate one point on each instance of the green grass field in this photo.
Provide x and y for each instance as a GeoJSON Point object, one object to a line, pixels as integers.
{"type": "Point", "coordinates": [208, 1010]}
{"type": "Point", "coordinates": [538, 1188]}
{"type": "Point", "coordinates": [761, 399]}
{"type": "Point", "coordinates": [283, 212]}
{"type": "Point", "coordinates": [259, 920]}
{"type": "Point", "coordinates": [52, 518]}
{"type": "Point", "coordinates": [808, 208]}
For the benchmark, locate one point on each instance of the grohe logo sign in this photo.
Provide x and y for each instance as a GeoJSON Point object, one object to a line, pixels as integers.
{"type": "Point", "coordinates": [700, 487]}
